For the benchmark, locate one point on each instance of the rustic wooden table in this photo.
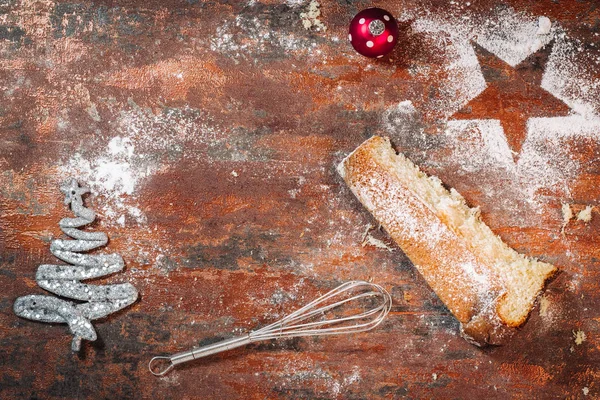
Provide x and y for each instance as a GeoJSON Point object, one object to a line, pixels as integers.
{"type": "Point", "coordinates": [209, 133]}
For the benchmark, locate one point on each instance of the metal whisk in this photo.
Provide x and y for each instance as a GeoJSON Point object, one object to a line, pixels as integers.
{"type": "Point", "coordinates": [307, 321]}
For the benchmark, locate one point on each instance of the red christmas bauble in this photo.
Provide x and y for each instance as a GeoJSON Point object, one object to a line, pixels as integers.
{"type": "Point", "coordinates": [373, 32]}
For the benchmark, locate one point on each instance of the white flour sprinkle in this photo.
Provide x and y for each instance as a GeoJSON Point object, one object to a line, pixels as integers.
{"type": "Point", "coordinates": [479, 146]}
{"type": "Point", "coordinates": [145, 144]}
{"type": "Point", "coordinates": [545, 160]}
{"type": "Point", "coordinates": [567, 79]}
{"type": "Point", "coordinates": [463, 75]}
{"type": "Point", "coordinates": [512, 37]}
{"type": "Point", "coordinates": [111, 175]}
{"type": "Point", "coordinates": [245, 37]}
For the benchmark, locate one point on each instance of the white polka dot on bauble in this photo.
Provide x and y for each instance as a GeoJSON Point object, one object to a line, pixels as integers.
{"type": "Point", "coordinates": [369, 44]}
{"type": "Point", "coordinates": [390, 39]}
{"type": "Point", "coordinates": [386, 17]}
{"type": "Point", "coordinates": [361, 21]}
{"type": "Point", "coordinates": [350, 37]}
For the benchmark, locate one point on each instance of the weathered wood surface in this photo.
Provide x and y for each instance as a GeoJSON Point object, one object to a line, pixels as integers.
{"type": "Point", "coordinates": [236, 116]}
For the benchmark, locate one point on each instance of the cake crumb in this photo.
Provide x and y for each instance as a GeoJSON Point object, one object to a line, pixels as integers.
{"type": "Point", "coordinates": [585, 215]}
{"type": "Point", "coordinates": [366, 232]}
{"type": "Point", "coordinates": [544, 26]}
{"type": "Point", "coordinates": [579, 337]}
{"type": "Point", "coordinates": [544, 305]}
{"type": "Point", "coordinates": [371, 241]}
{"type": "Point", "coordinates": [310, 18]}
{"type": "Point", "coordinates": [567, 216]}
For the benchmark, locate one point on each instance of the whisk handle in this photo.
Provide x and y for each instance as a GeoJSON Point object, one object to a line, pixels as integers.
{"type": "Point", "coordinates": [224, 345]}
{"type": "Point", "coordinates": [185, 356]}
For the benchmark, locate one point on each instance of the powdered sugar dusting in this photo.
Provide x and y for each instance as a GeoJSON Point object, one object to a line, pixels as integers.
{"type": "Point", "coordinates": [480, 146]}
{"type": "Point", "coordinates": [568, 79]}
{"type": "Point", "coordinates": [112, 174]}
{"type": "Point", "coordinates": [245, 37]}
{"type": "Point", "coordinates": [117, 172]}
{"type": "Point", "coordinates": [545, 161]}
{"type": "Point", "coordinates": [468, 134]}
{"type": "Point", "coordinates": [463, 75]}
{"type": "Point", "coordinates": [559, 128]}
{"type": "Point", "coordinates": [511, 36]}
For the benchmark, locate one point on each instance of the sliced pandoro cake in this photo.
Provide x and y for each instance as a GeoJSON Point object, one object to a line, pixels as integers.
{"type": "Point", "coordinates": [489, 287]}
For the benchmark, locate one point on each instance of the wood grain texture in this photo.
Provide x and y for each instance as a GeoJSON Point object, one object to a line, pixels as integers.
{"type": "Point", "coordinates": [237, 117]}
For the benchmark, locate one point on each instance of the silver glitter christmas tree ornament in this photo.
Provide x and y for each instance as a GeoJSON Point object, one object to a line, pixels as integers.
{"type": "Point", "coordinates": [98, 301]}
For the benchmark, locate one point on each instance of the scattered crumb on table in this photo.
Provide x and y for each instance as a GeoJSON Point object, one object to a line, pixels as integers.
{"type": "Point", "coordinates": [579, 337]}
{"type": "Point", "coordinates": [567, 215]}
{"type": "Point", "coordinates": [310, 18]}
{"type": "Point", "coordinates": [585, 215]}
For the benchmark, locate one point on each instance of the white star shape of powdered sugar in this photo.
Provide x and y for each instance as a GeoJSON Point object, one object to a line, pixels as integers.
{"type": "Point", "coordinates": [480, 146]}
